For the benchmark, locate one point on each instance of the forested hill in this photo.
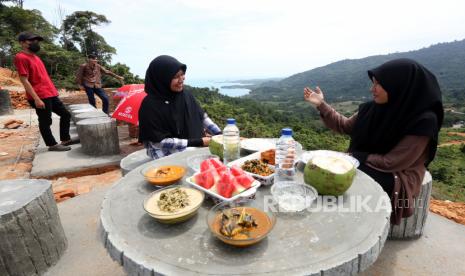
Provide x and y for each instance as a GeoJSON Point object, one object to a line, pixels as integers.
{"type": "Point", "coordinates": [348, 80]}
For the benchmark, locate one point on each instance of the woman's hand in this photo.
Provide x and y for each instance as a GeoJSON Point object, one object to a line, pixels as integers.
{"type": "Point", "coordinates": [206, 141]}
{"type": "Point", "coordinates": [314, 97]}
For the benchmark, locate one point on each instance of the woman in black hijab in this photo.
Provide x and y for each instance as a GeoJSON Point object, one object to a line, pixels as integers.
{"type": "Point", "coordinates": [170, 119]}
{"type": "Point", "coordinates": [394, 136]}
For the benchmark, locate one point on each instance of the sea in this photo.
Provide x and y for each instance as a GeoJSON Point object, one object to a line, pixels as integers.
{"type": "Point", "coordinates": [217, 83]}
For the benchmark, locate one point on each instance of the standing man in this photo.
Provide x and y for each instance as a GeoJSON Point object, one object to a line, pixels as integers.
{"type": "Point", "coordinates": [89, 78]}
{"type": "Point", "coordinates": [41, 93]}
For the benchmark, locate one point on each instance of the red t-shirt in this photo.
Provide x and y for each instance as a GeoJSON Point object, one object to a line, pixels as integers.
{"type": "Point", "coordinates": [30, 66]}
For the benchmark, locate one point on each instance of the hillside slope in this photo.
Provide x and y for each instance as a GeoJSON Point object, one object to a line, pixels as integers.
{"type": "Point", "coordinates": [347, 79]}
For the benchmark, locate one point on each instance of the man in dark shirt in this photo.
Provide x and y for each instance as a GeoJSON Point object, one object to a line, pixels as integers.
{"type": "Point", "coordinates": [41, 93]}
{"type": "Point", "coordinates": [89, 78]}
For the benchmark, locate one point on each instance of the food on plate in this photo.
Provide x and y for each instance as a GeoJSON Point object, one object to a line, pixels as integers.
{"type": "Point", "coordinates": [216, 145]}
{"type": "Point", "coordinates": [163, 175]}
{"type": "Point", "coordinates": [268, 156]}
{"type": "Point", "coordinates": [161, 172]}
{"type": "Point", "coordinates": [330, 175]}
{"type": "Point", "coordinates": [241, 223]}
{"type": "Point", "coordinates": [218, 178]}
{"type": "Point", "coordinates": [257, 166]}
{"type": "Point", "coordinates": [173, 200]}
{"type": "Point", "coordinates": [184, 205]}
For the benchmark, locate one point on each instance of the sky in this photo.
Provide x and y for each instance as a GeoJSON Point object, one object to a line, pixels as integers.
{"type": "Point", "coordinates": [243, 39]}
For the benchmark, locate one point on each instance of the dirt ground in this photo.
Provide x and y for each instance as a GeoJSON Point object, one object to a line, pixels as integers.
{"type": "Point", "coordinates": [8, 78]}
{"type": "Point", "coordinates": [455, 142]}
{"type": "Point", "coordinates": [451, 210]}
{"type": "Point", "coordinates": [17, 149]}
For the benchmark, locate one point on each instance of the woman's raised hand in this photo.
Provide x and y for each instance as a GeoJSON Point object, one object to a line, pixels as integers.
{"type": "Point", "coordinates": [314, 97]}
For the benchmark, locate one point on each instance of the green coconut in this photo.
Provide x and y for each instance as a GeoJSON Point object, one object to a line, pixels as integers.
{"type": "Point", "coordinates": [329, 175]}
{"type": "Point", "coordinates": [216, 145]}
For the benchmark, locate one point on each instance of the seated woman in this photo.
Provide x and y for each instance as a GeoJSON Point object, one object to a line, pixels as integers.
{"type": "Point", "coordinates": [395, 135]}
{"type": "Point", "coordinates": [170, 119]}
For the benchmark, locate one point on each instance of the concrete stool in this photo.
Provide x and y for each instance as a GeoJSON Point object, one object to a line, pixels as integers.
{"type": "Point", "coordinates": [79, 106]}
{"type": "Point", "coordinates": [5, 103]}
{"type": "Point", "coordinates": [133, 161]}
{"type": "Point", "coordinates": [89, 115]}
{"type": "Point", "coordinates": [31, 235]}
{"type": "Point", "coordinates": [412, 227]}
{"type": "Point", "coordinates": [77, 111]}
{"type": "Point", "coordinates": [99, 136]}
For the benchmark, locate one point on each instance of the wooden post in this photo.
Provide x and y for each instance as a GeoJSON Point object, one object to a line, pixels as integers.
{"type": "Point", "coordinates": [32, 238]}
{"type": "Point", "coordinates": [412, 227]}
{"type": "Point", "coordinates": [5, 103]}
{"type": "Point", "coordinates": [99, 136]}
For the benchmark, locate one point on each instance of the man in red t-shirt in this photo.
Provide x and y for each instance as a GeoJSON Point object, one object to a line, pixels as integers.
{"type": "Point", "coordinates": [41, 93]}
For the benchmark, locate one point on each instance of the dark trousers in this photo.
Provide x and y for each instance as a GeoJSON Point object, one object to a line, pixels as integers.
{"type": "Point", "coordinates": [45, 120]}
{"type": "Point", "coordinates": [90, 91]}
{"type": "Point", "coordinates": [386, 180]}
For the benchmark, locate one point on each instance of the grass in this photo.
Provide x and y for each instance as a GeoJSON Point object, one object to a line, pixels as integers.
{"type": "Point", "coordinates": [448, 171]}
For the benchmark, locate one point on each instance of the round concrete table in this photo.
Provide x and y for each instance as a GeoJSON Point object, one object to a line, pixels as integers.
{"type": "Point", "coordinates": [334, 242]}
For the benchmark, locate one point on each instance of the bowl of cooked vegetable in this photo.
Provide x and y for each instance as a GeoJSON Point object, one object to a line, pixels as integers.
{"type": "Point", "coordinates": [173, 204]}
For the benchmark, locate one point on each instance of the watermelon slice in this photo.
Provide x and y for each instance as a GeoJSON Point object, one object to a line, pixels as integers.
{"type": "Point", "coordinates": [198, 178]}
{"type": "Point", "coordinates": [238, 188]}
{"type": "Point", "coordinates": [206, 165]}
{"type": "Point", "coordinates": [236, 170]}
{"type": "Point", "coordinates": [216, 162]}
{"type": "Point", "coordinates": [207, 179]}
{"type": "Point", "coordinates": [245, 180]}
{"type": "Point", "coordinates": [222, 169]}
{"type": "Point", "coordinates": [226, 186]}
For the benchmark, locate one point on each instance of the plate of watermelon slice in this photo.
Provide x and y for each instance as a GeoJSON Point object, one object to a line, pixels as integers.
{"type": "Point", "coordinates": [221, 182]}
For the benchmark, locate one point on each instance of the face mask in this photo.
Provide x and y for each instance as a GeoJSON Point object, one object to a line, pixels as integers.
{"type": "Point", "coordinates": [34, 47]}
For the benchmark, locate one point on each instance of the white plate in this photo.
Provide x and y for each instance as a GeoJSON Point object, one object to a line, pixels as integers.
{"type": "Point", "coordinates": [247, 193]}
{"type": "Point", "coordinates": [307, 155]}
{"type": "Point", "coordinates": [258, 144]}
{"type": "Point", "coordinates": [265, 180]}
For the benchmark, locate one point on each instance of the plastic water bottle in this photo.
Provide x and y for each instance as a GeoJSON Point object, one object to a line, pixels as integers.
{"type": "Point", "coordinates": [231, 141]}
{"type": "Point", "coordinates": [285, 157]}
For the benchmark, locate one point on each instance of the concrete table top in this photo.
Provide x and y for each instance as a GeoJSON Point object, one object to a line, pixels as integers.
{"type": "Point", "coordinates": [321, 241]}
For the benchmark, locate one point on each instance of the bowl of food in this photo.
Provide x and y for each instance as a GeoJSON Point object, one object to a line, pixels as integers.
{"type": "Point", "coordinates": [163, 175]}
{"type": "Point", "coordinates": [173, 204]}
{"type": "Point", "coordinates": [194, 161]}
{"type": "Point", "coordinates": [260, 168]}
{"type": "Point", "coordinates": [292, 196]}
{"type": "Point", "coordinates": [241, 223]}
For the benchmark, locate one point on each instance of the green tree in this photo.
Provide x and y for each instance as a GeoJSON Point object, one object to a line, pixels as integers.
{"type": "Point", "coordinates": [78, 30]}
{"type": "Point", "coordinates": [121, 70]}
{"type": "Point", "coordinates": [14, 20]}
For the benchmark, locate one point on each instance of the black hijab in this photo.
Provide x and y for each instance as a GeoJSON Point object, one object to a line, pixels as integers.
{"type": "Point", "coordinates": [414, 107]}
{"type": "Point", "coordinates": [164, 113]}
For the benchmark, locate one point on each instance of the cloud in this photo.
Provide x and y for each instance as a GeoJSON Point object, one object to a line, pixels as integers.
{"type": "Point", "coordinates": [257, 38]}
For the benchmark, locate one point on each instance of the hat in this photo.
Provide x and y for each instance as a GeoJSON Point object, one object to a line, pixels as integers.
{"type": "Point", "coordinates": [29, 36]}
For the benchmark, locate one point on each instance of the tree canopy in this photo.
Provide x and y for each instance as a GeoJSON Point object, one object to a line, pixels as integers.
{"type": "Point", "coordinates": [64, 49]}
{"type": "Point", "coordinates": [78, 29]}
